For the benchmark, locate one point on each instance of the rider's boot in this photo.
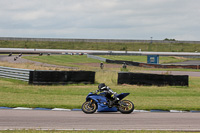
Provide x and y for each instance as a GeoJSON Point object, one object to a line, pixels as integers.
{"type": "Point", "coordinates": [110, 103]}
{"type": "Point", "coordinates": [113, 102]}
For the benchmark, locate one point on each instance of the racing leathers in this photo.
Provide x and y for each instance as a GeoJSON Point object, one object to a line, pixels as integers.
{"type": "Point", "coordinates": [111, 95]}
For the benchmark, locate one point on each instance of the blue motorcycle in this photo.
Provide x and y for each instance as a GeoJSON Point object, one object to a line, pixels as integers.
{"type": "Point", "coordinates": [102, 103]}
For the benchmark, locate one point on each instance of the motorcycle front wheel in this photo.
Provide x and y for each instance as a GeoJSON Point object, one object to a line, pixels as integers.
{"type": "Point", "coordinates": [89, 107]}
{"type": "Point", "coordinates": [128, 108]}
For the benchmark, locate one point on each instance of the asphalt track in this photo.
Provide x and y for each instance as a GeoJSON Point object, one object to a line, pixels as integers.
{"type": "Point", "coordinates": [77, 120]}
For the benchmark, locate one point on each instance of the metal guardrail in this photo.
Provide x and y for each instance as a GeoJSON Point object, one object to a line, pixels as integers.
{"type": "Point", "coordinates": [15, 73]}
{"type": "Point", "coordinates": [96, 57]}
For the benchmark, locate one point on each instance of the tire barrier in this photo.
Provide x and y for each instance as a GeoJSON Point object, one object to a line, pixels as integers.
{"type": "Point", "coordinates": [131, 63]}
{"type": "Point", "coordinates": [152, 79]}
{"type": "Point", "coordinates": [61, 77]}
{"type": "Point", "coordinates": [121, 62]}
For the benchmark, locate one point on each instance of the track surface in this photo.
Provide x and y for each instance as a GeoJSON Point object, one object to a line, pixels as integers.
{"type": "Point", "coordinates": [64, 120]}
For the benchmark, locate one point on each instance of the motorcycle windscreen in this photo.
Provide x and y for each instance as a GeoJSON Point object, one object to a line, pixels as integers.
{"type": "Point", "coordinates": [122, 95]}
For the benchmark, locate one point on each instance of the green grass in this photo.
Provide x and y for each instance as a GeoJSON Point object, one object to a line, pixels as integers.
{"type": "Point", "coordinates": [63, 60]}
{"type": "Point", "coordinates": [69, 60]}
{"type": "Point", "coordinates": [79, 61]}
{"type": "Point", "coordinates": [18, 94]}
{"type": "Point", "coordinates": [168, 47]}
{"type": "Point", "coordinates": [15, 93]}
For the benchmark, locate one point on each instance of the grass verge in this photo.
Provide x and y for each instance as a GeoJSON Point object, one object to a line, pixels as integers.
{"type": "Point", "coordinates": [15, 93]}
{"type": "Point", "coordinates": [167, 47]}
{"type": "Point", "coordinates": [20, 94]}
{"type": "Point", "coordinates": [84, 63]}
{"type": "Point", "coordinates": [162, 59]}
{"type": "Point", "coordinates": [63, 60]}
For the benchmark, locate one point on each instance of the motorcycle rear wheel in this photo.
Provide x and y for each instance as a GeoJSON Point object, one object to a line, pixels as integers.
{"type": "Point", "coordinates": [126, 109]}
{"type": "Point", "coordinates": [89, 109]}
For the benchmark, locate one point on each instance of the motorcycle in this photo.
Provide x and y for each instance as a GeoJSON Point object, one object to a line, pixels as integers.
{"type": "Point", "coordinates": [101, 103]}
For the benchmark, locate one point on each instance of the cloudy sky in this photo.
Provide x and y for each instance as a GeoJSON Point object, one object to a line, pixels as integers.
{"type": "Point", "coordinates": [101, 19]}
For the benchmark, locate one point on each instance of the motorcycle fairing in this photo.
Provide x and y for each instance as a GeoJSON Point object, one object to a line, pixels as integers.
{"type": "Point", "coordinates": [106, 109]}
{"type": "Point", "coordinates": [100, 100]}
{"type": "Point", "coordinates": [122, 95]}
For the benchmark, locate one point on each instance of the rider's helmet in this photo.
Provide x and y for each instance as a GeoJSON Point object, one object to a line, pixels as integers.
{"type": "Point", "coordinates": [102, 87]}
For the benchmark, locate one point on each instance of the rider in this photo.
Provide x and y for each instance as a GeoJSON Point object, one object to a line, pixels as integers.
{"type": "Point", "coordinates": [111, 95]}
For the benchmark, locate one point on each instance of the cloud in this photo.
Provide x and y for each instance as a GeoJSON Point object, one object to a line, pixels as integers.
{"type": "Point", "coordinates": [114, 19]}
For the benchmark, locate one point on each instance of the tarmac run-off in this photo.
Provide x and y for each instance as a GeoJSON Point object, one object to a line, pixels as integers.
{"type": "Point", "coordinates": [77, 120]}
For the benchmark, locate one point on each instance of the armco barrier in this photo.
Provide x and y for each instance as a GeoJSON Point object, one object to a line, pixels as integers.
{"type": "Point", "coordinates": [96, 57]}
{"type": "Point", "coordinates": [61, 77]}
{"type": "Point", "coordinates": [152, 79]}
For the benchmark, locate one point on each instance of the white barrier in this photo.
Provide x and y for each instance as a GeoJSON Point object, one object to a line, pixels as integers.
{"type": "Point", "coordinates": [15, 73]}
